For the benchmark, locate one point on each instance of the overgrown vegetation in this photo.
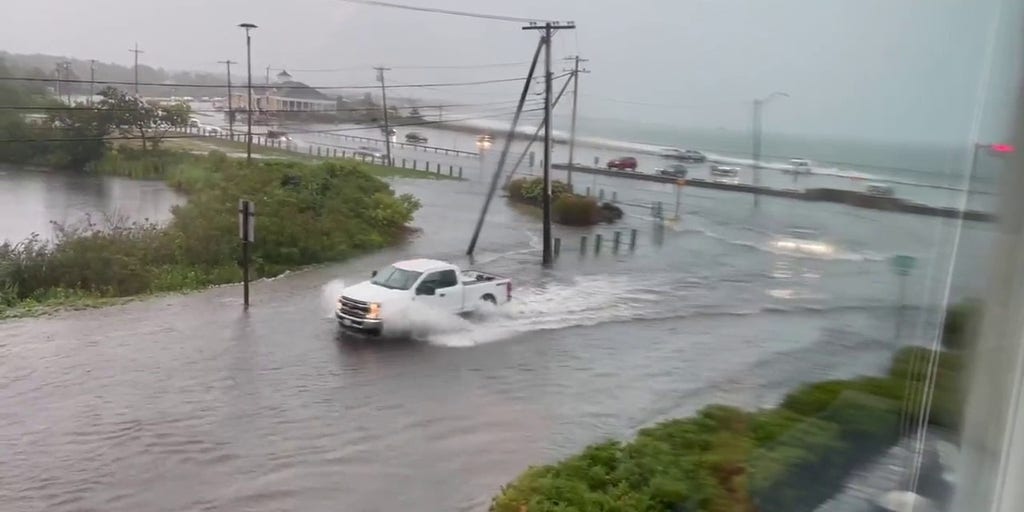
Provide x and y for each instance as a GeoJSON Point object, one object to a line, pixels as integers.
{"type": "Point", "coordinates": [44, 131]}
{"type": "Point", "coordinates": [790, 458]}
{"type": "Point", "coordinates": [566, 208]}
{"type": "Point", "coordinates": [308, 213]}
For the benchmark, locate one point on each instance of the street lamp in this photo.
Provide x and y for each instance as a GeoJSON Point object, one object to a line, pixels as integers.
{"type": "Point", "coordinates": [758, 105]}
{"type": "Point", "coordinates": [248, 58]}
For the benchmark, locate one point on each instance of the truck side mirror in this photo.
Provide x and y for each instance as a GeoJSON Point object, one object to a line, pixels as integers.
{"type": "Point", "coordinates": [425, 289]}
{"type": "Point", "coordinates": [373, 274]}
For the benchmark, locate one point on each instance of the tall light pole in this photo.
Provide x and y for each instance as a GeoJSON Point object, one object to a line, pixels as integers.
{"type": "Point", "coordinates": [756, 132]}
{"type": "Point", "coordinates": [92, 80]}
{"type": "Point", "coordinates": [248, 58]}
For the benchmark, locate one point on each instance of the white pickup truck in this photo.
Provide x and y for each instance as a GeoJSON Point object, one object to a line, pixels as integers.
{"type": "Point", "coordinates": [437, 284]}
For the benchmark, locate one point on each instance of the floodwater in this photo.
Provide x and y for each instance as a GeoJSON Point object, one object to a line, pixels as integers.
{"type": "Point", "coordinates": [31, 200]}
{"type": "Point", "coordinates": [189, 403]}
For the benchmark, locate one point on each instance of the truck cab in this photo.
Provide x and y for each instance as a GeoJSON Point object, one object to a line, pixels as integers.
{"type": "Point", "coordinates": [436, 284]}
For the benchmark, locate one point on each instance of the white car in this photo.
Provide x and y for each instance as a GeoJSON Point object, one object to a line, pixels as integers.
{"type": "Point", "coordinates": [799, 166]}
{"type": "Point", "coordinates": [213, 130]}
{"type": "Point", "coordinates": [436, 284]}
{"type": "Point", "coordinates": [879, 190]}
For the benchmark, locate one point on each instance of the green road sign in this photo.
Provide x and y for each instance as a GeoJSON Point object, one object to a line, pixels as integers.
{"type": "Point", "coordinates": [902, 264]}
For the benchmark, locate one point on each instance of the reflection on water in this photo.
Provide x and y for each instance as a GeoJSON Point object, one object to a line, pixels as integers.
{"type": "Point", "coordinates": [30, 200]}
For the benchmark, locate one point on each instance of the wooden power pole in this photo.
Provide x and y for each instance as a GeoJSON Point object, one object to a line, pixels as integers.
{"type": "Point", "coordinates": [549, 28]}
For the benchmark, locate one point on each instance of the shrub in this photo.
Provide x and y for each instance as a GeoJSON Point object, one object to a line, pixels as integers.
{"type": "Point", "coordinates": [307, 214]}
{"type": "Point", "coordinates": [576, 211]}
{"type": "Point", "coordinates": [790, 458]}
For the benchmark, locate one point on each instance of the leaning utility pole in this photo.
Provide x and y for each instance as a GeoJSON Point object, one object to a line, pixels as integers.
{"type": "Point", "coordinates": [575, 97]}
{"type": "Point", "coordinates": [231, 110]}
{"type": "Point", "coordinates": [504, 151]}
{"type": "Point", "coordinates": [92, 79]}
{"type": "Point", "coordinates": [384, 103]}
{"type": "Point", "coordinates": [548, 28]}
{"type": "Point", "coordinates": [136, 51]}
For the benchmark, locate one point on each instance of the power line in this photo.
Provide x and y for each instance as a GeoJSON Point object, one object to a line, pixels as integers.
{"type": "Point", "coordinates": [450, 12]}
{"type": "Point", "coordinates": [65, 108]}
{"type": "Point", "coordinates": [298, 132]}
{"type": "Point", "coordinates": [279, 87]}
{"type": "Point", "coordinates": [360, 68]}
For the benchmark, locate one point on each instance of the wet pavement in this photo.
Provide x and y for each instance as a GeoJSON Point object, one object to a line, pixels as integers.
{"type": "Point", "coordinates": [189, 403]}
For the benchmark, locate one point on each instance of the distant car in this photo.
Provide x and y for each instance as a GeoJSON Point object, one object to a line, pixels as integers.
{"type": "Point", "coordinates": [879, 190]}
{"type": "Point", "coordinates": [724, 171]}
{"type": "Point", "coordinates": [689, 156]}
{"type": "Point", "coordinates": [213, 130]}
{"type": "Point", "coordinates": [625, 163]}
{"type": "Point", "coordinates": [368, 151]}
{"type": "Point", "coordinates": [415, 138]}
{"type": "Point", "coordinates": [194, 123]}
{"type": "Point", "coordinates": [674, 171]}
{"type": "Point", "coordinates": [799, 166]}
{"type": "Point", "coordinates": [389, 131]}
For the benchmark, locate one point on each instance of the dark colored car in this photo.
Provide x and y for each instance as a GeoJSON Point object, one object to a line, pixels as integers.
{"type": "Point", "coordinates": [674, 171]}
{"type": "Point", "coordinates": [692, 156]}
{"type": "Point", "coordinates": [415, 138]}
{"type": "Point", "coordinates": [626, 163]}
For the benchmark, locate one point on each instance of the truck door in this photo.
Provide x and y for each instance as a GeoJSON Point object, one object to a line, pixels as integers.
{"type": "Point", "coordinates": [447, 291]}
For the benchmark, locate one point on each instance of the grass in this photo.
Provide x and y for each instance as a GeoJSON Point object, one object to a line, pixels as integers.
{"type": "Point", "coordinates": [206, 144]}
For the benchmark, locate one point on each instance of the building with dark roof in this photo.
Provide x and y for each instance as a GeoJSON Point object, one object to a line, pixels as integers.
{"type": "Point", "coordinates": [286, 95]}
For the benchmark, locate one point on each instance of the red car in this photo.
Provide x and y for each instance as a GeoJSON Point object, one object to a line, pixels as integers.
{"type": "Point", "coordinates": [626, 163]}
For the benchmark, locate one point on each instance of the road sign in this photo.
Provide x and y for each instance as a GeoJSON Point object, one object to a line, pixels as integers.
{"type": "Point", "coordinates": [902, 264]}
{"type": "Point", "coordinates": [246, 220]}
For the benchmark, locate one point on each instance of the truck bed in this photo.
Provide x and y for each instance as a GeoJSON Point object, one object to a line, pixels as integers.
{"type": "Point", "coordinates": [473, 277]}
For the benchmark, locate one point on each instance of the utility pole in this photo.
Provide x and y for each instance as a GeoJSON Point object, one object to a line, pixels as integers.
{"type": "Point", "coordinates": [231, 110]}
{"type": "Point", "coordinates": [60, 94]}
{"type": "Point", "coordinates": [575, 97]}
{"type": "Point", "coordinates": [248, 104]}
{"type": "Point", "coordinates": [268, 76]}
{"type": "Point", "coordinates": [756, 132]}
{"type": "Point", "coordinates": [384, 103]}
{"type": "Point", "coordinates": [92, 79]}
{"type": "Point", "coordinates": [548, 28]}
{"type": "Point", "coordinates": [136, 51]}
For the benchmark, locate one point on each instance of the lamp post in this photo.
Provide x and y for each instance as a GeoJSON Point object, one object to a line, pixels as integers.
{"type": "Point", "coordinates": [248, 58]}
{"type": "Point", "coordinates": [758, 106]}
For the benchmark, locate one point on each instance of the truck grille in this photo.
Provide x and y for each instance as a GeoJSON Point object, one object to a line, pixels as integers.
{"type": "Point", "coordinates": [354, 308]}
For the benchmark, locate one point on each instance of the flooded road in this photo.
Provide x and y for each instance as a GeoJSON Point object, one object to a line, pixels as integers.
{"type": "Point", "coordinates": [187, 403]}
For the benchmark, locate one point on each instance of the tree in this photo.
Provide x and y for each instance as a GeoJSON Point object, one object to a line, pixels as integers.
{"type": "Point", "coordinates": [133, 116]}
{"type": "Point", "coordinates": [79, 135]}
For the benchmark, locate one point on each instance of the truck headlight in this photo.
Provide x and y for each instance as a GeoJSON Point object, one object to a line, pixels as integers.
{"type": "Point", "coordinates": [374, 310]}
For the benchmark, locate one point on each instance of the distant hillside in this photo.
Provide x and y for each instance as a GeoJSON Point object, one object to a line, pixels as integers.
{"type": "Point", "coordinates": [45, 66]}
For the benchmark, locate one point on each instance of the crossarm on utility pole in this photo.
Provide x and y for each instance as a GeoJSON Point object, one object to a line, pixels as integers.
{"type": "Point", "coordinates": [504, 151]}
{"type": "Point", "coordinates": [536, 133]}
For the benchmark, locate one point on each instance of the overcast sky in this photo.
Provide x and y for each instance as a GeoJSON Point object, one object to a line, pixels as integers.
{"type": "Point", "coordinates": [903, 69]}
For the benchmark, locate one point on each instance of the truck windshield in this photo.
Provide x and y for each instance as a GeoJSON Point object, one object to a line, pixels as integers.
{"type": "Point", "coordinates": [396, 278]}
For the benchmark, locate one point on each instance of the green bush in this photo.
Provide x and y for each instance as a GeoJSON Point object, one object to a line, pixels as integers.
{"type": "Point", "coordinates": [576, 211]}
{"type": "Point", "coordinates": [790, 458]}
{"type": "Point", "coordinates": [960, 325]}
{"type": "Point", "coordinates": [307, 214]}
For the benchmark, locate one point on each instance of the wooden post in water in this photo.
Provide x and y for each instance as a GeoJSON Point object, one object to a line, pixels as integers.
{"type": "Point", "coordinates": [632, 239]}
{"type": "Point", "coordinates": [247, 234]}
{"type": "Point", "coordinates": [583, 245]}
{"type": "Point", "coordinates": [597, 243]}
{"type": "Point", "coordinates": [617, 239]}
{"type": "Point", "coordinates": [558, 247]}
